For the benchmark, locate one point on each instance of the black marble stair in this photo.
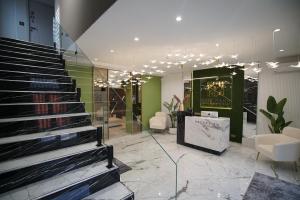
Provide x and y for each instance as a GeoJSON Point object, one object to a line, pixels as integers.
{"type": "Point", "coordinates": [39, 109]}
{"type": "Point", "coordinates": [29, 45]}
{"type": "Point", "coordinates": [28, 125]}
{"type": "Point", "coordinates": [25, 49]}
{"type": "Point", "coordinates": [28, 76]}
{"type": "Point", "coordinates": [28, 61]}
{"type": "Point", "coordinates": [72, 185]}
{"type": "Point", "coordinates": [31, 56]}
{"type": "Point", "coordinates": [13, 96]}
{"type": "Point", "coordinates": [54, 69]}
{"type": "Point", "coordinates": [36, 84]}
{"type": "Point", "coordinates": [24, 145]}
{"type": "Point", "coordinates": [48, 146]}
{"type": "Point", "coordinates": [18, 177]}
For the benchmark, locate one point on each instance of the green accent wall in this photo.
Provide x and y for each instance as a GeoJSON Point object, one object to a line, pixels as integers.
{"type": "Point", "coordinates": [151, 99]}
{"type": "Point", "coordinates": [84, 80]}
{"type": "Point", "coordinates": [129, 114]}
{"type": "Point", "coordinates": [236, 112]}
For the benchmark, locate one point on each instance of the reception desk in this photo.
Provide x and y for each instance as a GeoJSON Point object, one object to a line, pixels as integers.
{"type": "Point", "coordinates": [205, 133]}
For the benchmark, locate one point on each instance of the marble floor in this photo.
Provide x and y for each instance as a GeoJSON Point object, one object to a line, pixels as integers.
{"type": "Point", "coordinates": [200, 175]}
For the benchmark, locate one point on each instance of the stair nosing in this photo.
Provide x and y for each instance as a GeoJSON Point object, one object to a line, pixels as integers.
{"type": "Point", "coordinates": [32, 60]}
{"type": "Point", "coordinates": [43, 103]}
{"type": "Point", "coordinates": [40, 161]}
{"type": "Point", "coordinates": [8, 45]}
{"type": "Point", "coordinates": [28, 54]}
{"type": "Point", "coordinates": [26, 43]}
{"type": "Point", "coordinates": [34, 66]}
{"type": "Point", "coordinates": [33, 73]}
{"type": "Point", "coordinates": [37, 91]}
{"type": "Point", "coordinates": [56, 83]}
{"type": "Point", "coordinates": [18, 119]}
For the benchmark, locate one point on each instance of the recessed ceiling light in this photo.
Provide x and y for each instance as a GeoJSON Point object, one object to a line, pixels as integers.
{"type": "Point", "coordinates": [154, 67]}
{"type": "Point", "coordinates": [136, 39]}
{"type": "Point", "coordinates": [276, 30]}
{"type": "Point", "coordinates": [281, 50]}
{"type": "Point", "coordinates": [146, 66]}
{"type": "Point", "coordinates": [112, 51]}
{"type": "Point", "coordinates": [168, 66]}
{"type": "Point", "coordinates": [178, 18]}
{"type": "Point", "coordinates": [153, 61]}
{"type": "Point", "coordinates": [217, 45]}
{"type": "Point", "coordinates": [201, 55]}
{"type": "Point", "coordinates": [162, 62]}
{"type": "Point", "coordinates": [195, 66]}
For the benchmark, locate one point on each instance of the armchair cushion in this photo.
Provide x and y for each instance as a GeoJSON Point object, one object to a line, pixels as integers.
{"type": "Point", "coordinates": [159, 121]}
{"type": "Point", "coordinates": [280, 147]}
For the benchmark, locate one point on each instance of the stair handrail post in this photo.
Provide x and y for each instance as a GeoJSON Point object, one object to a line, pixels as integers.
{"type": "Point", "coordinates": [110, 156]}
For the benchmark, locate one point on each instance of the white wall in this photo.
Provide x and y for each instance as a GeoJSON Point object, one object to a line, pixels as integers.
{"type": "Point", "coordinates": [280, 85]}
{"type": "Point", "coordinates": [173, 84]}
{"type": "Point", "coordinates": [11, 13]}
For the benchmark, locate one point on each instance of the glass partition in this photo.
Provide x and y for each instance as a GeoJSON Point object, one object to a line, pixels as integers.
{"type": "Point", "coordinates": [113, 98]}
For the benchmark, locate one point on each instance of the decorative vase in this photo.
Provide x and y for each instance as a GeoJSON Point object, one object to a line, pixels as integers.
{"type": "Point", "coordinates": [173, 131]}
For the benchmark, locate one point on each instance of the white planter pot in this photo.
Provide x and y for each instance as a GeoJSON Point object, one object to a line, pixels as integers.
{"type": "Point", "coordinates": [172, 130]}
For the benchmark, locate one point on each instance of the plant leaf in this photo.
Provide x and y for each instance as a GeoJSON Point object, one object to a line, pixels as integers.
{"type": "Point", "coordinates": [287, 123]}
{"type": "Point", "coordinates": [270, 128]}
{"type": "Point", "coordinates": [271, 104]}
{"type": "Point", "coordinates": [280, 105]}
{"type": "Point", "coordinates": [268, 115]}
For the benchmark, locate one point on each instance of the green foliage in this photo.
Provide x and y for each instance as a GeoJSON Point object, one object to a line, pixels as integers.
{"type": "Point", "coordinates": [172, 109]}
{"type": "Point", "coordinates": [275, 114]}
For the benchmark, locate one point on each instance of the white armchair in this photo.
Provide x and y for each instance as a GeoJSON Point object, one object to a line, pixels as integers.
{"type": "Point", "coordinates": [280, 147]}
{"type": "Point", "coordinates": [159, 121]}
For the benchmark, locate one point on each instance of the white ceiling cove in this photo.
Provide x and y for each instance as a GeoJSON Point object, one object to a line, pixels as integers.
{"type": "Point", "coordinates": [243, 27]}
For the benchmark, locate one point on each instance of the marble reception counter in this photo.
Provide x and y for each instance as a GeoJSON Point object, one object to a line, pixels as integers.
{"type": "Point", "coordinates": [205, 133]}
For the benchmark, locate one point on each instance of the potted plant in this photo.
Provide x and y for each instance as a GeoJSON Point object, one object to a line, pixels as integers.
{"type": "Point", "coordinates": [172, 109]}
{"type": "Point", "coordinates": [275, 114]}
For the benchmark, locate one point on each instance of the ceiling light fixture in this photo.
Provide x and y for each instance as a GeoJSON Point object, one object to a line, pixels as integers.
{"type": "Point", "coordinates": [179, 18]}
{"type": "Point", "coordinates": [235, 56]}
{"type": "Point", "coordinates": [153, 61]}
{"type": "Point", "coordinates": [168, 66]}
{"type": "Point", "coordinates": [296, 66]}
{"type": "Point", "coordinates": [281, 50]}
{"type": "Point", "coordinates": [273, 65]}
{"type": "Point", "coordinates": [217, 45]}
{"type": "Point", "coordinates": [276, 30]}
{"type": "Point", "coordinates": [112, 51]}
{"type": "Point", "coordinates": [146, 66]}
{"type": "Point", "coordinates": [136, 39]}
{"type": "Point", "coordinates": [195, 66]}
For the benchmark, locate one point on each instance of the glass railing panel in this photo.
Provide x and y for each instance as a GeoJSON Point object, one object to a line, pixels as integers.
{"type": "Point", "coordinates": [145, 165]}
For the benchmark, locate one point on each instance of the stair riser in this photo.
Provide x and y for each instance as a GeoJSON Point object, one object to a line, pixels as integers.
{"type": "Point", "coordinates": [56, 70]}
{"type": "Point", "coordinates": [30, 56]}
{"type": "Point", "coordinates": [39, 145]}
{"type": "Point", "coordinates": [36, 86]}
{"type": "Point", "coordinates": [34, 126]}
{"type": "Point", "coordinates": [86, 187]}
{"type": "Point", "coordinates": [28, 77]}
{"type": "Point", "coordinates": [36, 62]}
{"type": "Point", "coordinates": [40, 109]}
{"type": "Point", "coordinates": [27, 45]}
{"type": "Point", "coordinates": [22, 97]}
{"type": "Point", "coordinates": [28, 50]}
{"type": "Point", "coordinates": [24, 176]}
{"type": "Point", "coordinates": [131, 197]}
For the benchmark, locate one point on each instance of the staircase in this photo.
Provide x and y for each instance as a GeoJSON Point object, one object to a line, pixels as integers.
{"type": "Point", "coordinates": [48, 148]}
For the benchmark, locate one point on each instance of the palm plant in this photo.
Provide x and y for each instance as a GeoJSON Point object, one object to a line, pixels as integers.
{"type": "Point", "coordinates": [172, 109]}
{"type": "Point", "coordinates": [275, 114]}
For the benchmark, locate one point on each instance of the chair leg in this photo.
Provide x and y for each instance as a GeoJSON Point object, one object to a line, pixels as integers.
{"type": "Point", "coordinates": [257, 155]}
{"type": "Point", "coordinates": [296, 167]}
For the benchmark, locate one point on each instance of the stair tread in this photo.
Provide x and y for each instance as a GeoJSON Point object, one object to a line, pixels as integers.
{"type": "Point", "coordinates": [45, 134]}
{"type": "Point", "coordinates": [35, 66]}
{"type": "Point", "coordinates": [31, 60]}
{"type": "Point", "coordinates": [50, 185]}
{"type": "Point", "coordinates": [27, 91]}
{"type": "Point", "coordinates": [30, 54]}
{"type": "Point", "coordinates": [116, 191]}
{"type": "Point", "coordinates": [26, 161]}
{"type": "Point", "coordinates": [26, 43]}
{"type": "Point", "coordinates": [24, 104]}
{"type": "Point", "coordinates": [49, 82]}
{"type": "Point", "coordinates": [29, 49]}
{"type": "Point", "coordinates": [32, 73]}
{"type": "Point", "coordinates": [17, 119]}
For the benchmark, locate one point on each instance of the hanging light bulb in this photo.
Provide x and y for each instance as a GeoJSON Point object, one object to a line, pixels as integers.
{"type": "Point", "coordinates": [273, 65]}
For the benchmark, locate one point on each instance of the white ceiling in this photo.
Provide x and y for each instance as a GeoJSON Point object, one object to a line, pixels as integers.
{"type": "Point", "coordinates": [243, 27]}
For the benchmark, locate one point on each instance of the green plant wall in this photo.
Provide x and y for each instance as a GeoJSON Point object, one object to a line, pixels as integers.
{"type": "Point", "coordinates": [151, 99]}
{"type": "Point", "coordinates": [236, 112]}
{"type": "Point", "coordinates": [84, 80]}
